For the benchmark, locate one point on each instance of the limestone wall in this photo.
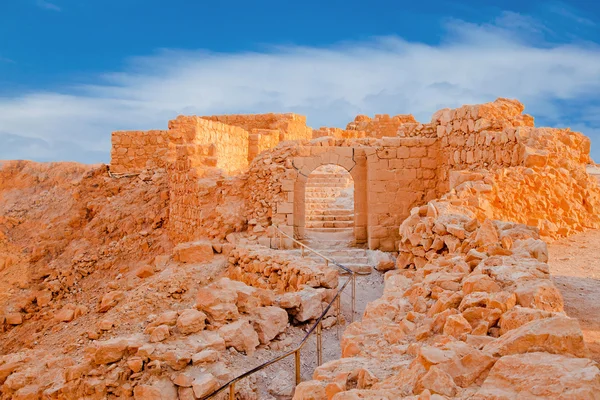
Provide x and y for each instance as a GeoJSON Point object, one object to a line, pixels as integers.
{"type": "Point", "coordinates": [338, 133]}
{"type": "Point", "coordinates": [401, 173]}
{"type": "Point", "coordinates": [133, 151]}
{"type": "Point", "coordinates": [230, 143]}
{"type": "Point", "coordinates": [260, 140]}
{"type": "Point", "coordinates": [292, 126]}
{"type": "Point", "coordinates": [391, 175]}
{"type": "Point", "coordinates": [380, 126]}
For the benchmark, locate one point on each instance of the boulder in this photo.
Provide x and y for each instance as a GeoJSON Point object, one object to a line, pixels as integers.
{"type": "Point", "coordinates": [110, 351]}
{"type": "Point", "coordinates": [556, 335]}
{"type": "Point", "coordinates": [204, 385]}
{"type": "Point", "coordinates": [144, 271]}
{"type": "Point", "coordinates": [269, 322]}
{"type": "Point", "coordinates": [109, 300]}
{"type": "Point", "coordinates": [457, 326]}
{"type": "Point", "coordinates": [311, 390]}
{"type": "Point", "coordinates": [540, 294]}
{"type": "Point", "coordinates": [191, 321]}
{"type": "Point", "coordinates": [437, 381]}
{"type": "Point", "coordinates": [240, 335]}
{"type": "Point", "coordinates": [479, 283]}
{"type": "Point", "coordinates": [541, 376]}
{"type": "Point", "coordinates": [218, 304]}
{"type": "Point", "coordinates": [194, 252]}
{"type": "Point", "coordinates": [205, 356]}
{"type": "Point", "coordinates": [518, 316]}
{"type": "Point", "coordinates": [159, 334]}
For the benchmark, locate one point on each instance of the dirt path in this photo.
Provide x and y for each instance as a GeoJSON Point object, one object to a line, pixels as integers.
{"type": "Point", "coordinates": [575, 267]}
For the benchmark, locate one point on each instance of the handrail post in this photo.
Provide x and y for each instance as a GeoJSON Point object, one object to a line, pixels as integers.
{"type": "Point", "coordinates": [232, 391]}
{"type": "Point", "coordinates": [319, 345]}
{"type": "Point", "coordinates": [297, 362]}
{"type": "Point", "coordinates": [302, 251]}
{"type": "Point", "coordinates": [339, 313]}
{"type": "Point", "coordinates": [353, 296]}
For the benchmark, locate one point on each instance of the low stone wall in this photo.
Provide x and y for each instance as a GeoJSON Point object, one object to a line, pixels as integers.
{"type": "Point", "coordinates": [134, 151]}
{"type": "Point", "coordinates": [260, 267]}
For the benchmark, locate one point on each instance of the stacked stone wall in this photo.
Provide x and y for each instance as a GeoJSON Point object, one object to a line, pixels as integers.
{"type": "Point", "coordinates": [260, 140]}
{"type": "Point", "coordinates": [134, 151]}
{"type": "Point", "coordinates": [338, 133]}
{"type": "Point", "coordinates": [401, 173]}
{"type": "Point", "coordinates": [380, 126]}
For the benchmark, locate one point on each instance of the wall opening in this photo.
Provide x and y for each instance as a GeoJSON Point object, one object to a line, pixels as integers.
{"type": "Point", "coordinates": [329, 202]}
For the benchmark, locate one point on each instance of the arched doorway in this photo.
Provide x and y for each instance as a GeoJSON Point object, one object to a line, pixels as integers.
{"type": "Point", "coordinates": [329, 202]}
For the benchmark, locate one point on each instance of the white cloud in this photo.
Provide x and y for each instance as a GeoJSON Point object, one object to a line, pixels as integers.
{"type": "Point", "coordinates": [474, 64]}
{"type": "Point", "coordinates": [47, 5]}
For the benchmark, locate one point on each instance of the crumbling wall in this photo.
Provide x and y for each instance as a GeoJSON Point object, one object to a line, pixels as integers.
{"type": "Point", "coordinates": [227, 144]}
{"type": "Point", "coordinates": [201, 151]}
{"type": "Point", "coordinates": [291, 126]}
{"type": "Point", "coordinates": [380, 126]}
{"type": "Point", "coordinates": [134, 151]}
{"type": "Point", "coordinates": [338, 133]}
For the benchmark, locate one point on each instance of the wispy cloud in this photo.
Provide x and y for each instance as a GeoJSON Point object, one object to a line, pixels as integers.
{"type": "Point", "coordinates": [47, 5]}
{"type": "Point", "coordinates": [475, 64]}
{"type": "Point", "coordinates": [6, 60]}
{"type": "Point", "coordinates": [569, 12]}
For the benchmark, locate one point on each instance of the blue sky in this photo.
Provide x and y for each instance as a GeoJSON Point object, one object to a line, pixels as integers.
{"type": "Point", "coordinates": [71, 71]}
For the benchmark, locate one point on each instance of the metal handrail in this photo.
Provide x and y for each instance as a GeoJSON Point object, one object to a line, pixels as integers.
{"type": "Point", "coordinates": [316, 327]}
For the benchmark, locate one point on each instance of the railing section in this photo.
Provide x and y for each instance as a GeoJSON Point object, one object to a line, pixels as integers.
{"type": "Point", "coordinates": [315, 328]}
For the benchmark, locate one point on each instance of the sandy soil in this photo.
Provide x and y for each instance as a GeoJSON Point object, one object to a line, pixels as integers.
{"type": "Point", "coordinates": [575, 267]}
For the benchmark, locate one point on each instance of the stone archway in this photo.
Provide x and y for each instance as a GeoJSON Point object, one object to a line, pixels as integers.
{"type": "Point", "coordinates": [345, 157]}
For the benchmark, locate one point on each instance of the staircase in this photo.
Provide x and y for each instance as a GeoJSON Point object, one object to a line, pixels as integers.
{"type": "Point", "coordinates": [329, 202]}
{"type": "Point", "coordinates": [329, 226]}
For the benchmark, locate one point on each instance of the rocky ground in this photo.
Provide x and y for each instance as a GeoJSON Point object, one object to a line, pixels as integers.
{"type": "Point", "coordinates": [575, 268]}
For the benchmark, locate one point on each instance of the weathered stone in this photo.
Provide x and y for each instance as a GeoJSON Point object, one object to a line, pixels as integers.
{"type": "Point", "coordinates": [191, 321]}
{"type": "Point", "coordinates": [557, 335]}
{"type": "Point", "coordinates": [240, 335]}
{"type": "Point", "coordinates": [541, 376]}
{"type": "Point", "coordinates": [193, 252]}
{"type": "Point", "coordinates": [269, 322]}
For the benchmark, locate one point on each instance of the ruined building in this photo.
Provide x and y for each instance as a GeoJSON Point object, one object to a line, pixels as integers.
{"type": "Point", "coordinates": [177, 268]}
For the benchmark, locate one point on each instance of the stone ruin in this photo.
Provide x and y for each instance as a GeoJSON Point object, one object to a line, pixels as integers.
{"type": "Point", "coordinates": [463, 204]}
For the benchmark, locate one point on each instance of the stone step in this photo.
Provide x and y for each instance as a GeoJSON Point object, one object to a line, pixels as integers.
{"type": "Point", "coordinates": [328, 184]}
{"type": "Point", "coordinates": [325, 190]}
{"type": "Point", "coordinates": [330, 230]}
{"type": "Point", "coordinates": [329, 224]}
{"type": "Point", "coordinates": [332, 210]}
{"type": "Point", "coordinates": [320, 175]}
{"type": "Point", "coordinates": [327, 217]}
{"type": "Point", "coordinates": [340, 260]}
{"type": "Point", "coordinates": [321, 195]}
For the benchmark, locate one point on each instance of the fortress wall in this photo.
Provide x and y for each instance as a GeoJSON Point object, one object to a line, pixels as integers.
{"type": "Point", "coordinates": [133, 151]}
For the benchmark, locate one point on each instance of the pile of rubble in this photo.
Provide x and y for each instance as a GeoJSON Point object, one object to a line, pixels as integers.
{"type": "Point", "coordinates": [470, 313]}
